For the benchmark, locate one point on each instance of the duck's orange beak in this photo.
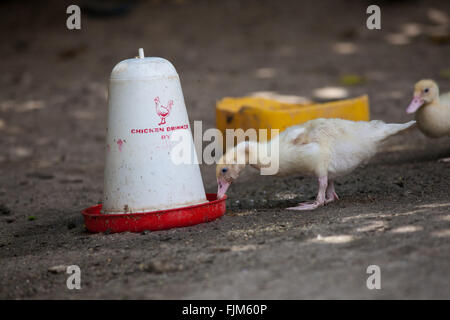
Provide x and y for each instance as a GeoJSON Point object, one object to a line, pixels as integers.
{"type": "Point", "coordinates": [222, 187]}
{"type": "Point", "coordinates": [415, 104]}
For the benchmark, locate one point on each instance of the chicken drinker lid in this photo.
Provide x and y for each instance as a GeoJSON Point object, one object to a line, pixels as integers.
{"type": "Point", "coordinates": [145, 109]}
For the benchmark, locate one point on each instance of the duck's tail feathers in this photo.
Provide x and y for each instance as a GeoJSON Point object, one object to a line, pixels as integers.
{"type": "Point", "coordinates": [397, 127]}
{"type": "Point", "coordinates": [393, 128]}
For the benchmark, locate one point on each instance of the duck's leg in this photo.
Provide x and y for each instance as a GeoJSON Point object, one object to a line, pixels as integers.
{"type": "Point", "coordinates": [330, 193]}
{"type": "Point", "coordinates": [320, 199]}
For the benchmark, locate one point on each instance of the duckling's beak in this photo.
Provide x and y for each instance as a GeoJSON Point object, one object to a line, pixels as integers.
{"type": "Point", "coordinates": [415, 104]}
{"type": "Point", "coordinates": [222, 188]}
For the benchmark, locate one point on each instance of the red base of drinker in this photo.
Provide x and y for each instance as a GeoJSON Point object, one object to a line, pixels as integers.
{"type": "Point", "coordinates": [154, 220]}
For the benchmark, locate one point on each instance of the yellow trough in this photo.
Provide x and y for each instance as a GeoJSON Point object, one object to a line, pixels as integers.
{"type": "Point", "coordinates": [262, 113]}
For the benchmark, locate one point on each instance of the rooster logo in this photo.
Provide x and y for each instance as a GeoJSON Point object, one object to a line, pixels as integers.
{"type": "Point", "coordinates": [162, 111]}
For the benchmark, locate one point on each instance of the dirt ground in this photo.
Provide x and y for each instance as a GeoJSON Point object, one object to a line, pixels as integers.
{"type": "Point", "coordinates": [393, 212]}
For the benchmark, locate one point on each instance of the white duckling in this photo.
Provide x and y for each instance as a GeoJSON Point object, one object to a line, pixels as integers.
{"type": "Point", "coordinates": [324, 148]}
{"type": "Point", "coordinates": [432, 111]}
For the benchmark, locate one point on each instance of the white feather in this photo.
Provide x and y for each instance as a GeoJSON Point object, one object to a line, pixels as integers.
{"type": "Point", "coordinates": [331, 147]}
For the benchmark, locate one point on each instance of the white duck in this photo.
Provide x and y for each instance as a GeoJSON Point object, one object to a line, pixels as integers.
{"type": "Point", "coordinates": [432, 111]}
{"type": "Point", "coordinates": [324, 148]}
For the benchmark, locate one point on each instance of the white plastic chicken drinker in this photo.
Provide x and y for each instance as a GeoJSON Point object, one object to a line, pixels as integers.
{"type": "Point", "coordinates": [145, 107]}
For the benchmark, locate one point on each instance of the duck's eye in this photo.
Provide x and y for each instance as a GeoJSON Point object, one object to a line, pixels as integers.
{"type": "Point", "coordinates": [426, 90]}
{"type": "Point", "coordinates": [224, 170]}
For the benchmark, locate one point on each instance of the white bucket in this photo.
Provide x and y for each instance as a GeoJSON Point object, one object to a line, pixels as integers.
{"type": "Point", "coordinates": [145, 106]}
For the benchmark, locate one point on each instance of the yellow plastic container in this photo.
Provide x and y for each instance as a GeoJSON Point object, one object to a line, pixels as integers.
{"type": "Point", "coordinates": [262, 113]}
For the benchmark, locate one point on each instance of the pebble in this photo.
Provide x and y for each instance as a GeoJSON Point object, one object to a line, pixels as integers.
{"type": "Point", "coordinates": [159, 266]}
{"type": "Point", "coordinates": [57, 269]}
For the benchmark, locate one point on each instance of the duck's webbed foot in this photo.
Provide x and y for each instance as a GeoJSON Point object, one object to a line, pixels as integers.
{"type": "Point", "coordinates": [331, 195]}
{"type": "Point", "coordinates": [310, 205]}
{"type": "Point", "coordinates": [320, 199]}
